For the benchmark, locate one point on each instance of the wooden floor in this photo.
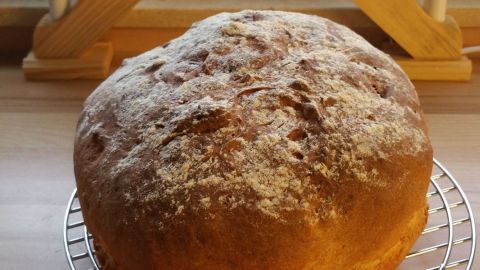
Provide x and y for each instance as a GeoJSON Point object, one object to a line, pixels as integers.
{"type": "Point", "coordinates": [37, 124]}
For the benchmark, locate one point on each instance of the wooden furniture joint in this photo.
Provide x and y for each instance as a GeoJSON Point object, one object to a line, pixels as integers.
{"type": "Point", "coordinates": [434, 47]}
{"type": "Point", "coordinates": [68, 48]}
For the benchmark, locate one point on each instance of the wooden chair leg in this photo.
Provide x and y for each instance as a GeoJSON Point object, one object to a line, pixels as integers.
{"type": "Point", "coordinates": [67, 48]}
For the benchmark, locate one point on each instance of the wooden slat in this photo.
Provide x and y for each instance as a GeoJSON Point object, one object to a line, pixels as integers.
{"type": "Point", "coordinates": [154, 13]}
{"type": "Point", "coordinates": [466, 15]}
{"type": "Point", "coordinates": [471, 35]}
{"type": "Point", "coordinates": [416, 32]}
{"type": "Point", "coordinates": [93, 64]}
{"type": "Point", "coordinates": [125, 40]}
{"type": "Point", "coordinates": [70, 36]}
{"type": "Point", "coordinates": [429, 70]}
{"type": "Point", "coordinates": [154, 20]}
{"type": "Point", "coordinates": [19, 39]}
{"type": "Point", "coordinates": [182, 13]}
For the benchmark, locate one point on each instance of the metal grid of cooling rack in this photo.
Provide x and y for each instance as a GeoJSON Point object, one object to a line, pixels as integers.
{"type": "Point", "coordinates": [77, 241]}
{"type": "Point", "coordinates": [448, 241]}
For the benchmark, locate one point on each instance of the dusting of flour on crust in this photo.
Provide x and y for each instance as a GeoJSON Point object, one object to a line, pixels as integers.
{"type": "Point", "coordinates": [255, 110]}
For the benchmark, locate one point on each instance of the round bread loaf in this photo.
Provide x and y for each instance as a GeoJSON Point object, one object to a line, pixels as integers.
{"type": "Point", "coordinates": [257, 140]}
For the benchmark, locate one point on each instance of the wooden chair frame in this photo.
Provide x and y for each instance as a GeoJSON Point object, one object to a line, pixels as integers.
{"type": "Point", "coordinates": [68, 49]}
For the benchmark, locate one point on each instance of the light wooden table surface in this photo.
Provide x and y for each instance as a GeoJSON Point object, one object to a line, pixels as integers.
{"type": "Point", "coordinates": [37, 124]}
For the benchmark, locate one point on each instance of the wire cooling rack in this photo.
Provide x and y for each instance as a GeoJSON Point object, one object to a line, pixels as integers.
{"type": "Point", "coordinates": [448, 240]}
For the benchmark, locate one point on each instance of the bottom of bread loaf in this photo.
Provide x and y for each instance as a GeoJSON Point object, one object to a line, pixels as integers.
{"type": "Point", "coordinates": [394, 256]}
{"type": "Point", "coordinates": [384, 260]}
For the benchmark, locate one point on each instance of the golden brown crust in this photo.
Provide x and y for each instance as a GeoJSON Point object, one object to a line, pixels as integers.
{"type": "Point", "coordinates": [257, 140]}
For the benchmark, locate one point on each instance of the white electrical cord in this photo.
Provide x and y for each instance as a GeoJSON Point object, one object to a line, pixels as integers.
{"type": "Point", "coordinates": [472, 49]}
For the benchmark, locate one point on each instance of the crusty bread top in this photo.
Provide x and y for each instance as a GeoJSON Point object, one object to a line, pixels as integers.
{"type": "Point", "coordinates": [271, 111]}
